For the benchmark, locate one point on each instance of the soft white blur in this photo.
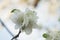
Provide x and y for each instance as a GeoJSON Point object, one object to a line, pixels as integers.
{"type": "Point", "coordinates": [45, 18]}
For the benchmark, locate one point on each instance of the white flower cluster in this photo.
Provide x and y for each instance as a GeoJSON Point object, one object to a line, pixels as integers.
{"type": "Point", "coordinates": [24, 20]}
{"type": "Point", "coordinates": [52, 35]}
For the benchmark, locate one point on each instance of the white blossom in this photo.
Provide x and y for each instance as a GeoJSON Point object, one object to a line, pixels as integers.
{"type": "Point", "coordinates": [24, 20]}
{"type": "Point", "coordinates": [52, 35]}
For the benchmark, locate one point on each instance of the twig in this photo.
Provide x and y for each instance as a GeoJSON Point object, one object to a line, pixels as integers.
{"type": "Point", "coordinates": [36, 3]}
{"type": "Point", "coordinates": [16, 35]}
{"type": "Point", "coordinates": [7, 28]}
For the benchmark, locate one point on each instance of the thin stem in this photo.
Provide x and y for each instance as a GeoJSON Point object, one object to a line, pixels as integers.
{"type": "Point", "coordinates": [7, 28]}
{"type": "Point", "coordinates": [16, 35]}
{"type": "Point", "coordinates": [36, 3]}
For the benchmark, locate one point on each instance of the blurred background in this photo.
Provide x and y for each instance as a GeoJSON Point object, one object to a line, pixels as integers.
{"type": "Point", "coordinates": [48, 12]}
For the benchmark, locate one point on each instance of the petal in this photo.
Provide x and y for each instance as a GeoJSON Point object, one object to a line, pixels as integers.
{"type": "Point", "coordinates": [16, 26]}
{"type": "Point", "coordinates": [34, 25]}
{"type": "Point", "coordinates": [14, 18]}
{"type": "Point", "coordinates": [26, 20]}
{"type": "Point", "coordinates": [28, 30]}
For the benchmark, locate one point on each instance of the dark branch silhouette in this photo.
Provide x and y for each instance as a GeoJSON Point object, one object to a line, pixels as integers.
{"type": "Point", "coordinates": [6, 28]}
{"type": "Point", "coordinates": [16, 35]}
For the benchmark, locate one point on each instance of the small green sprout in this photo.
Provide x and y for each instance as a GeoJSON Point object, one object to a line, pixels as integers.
{"type": "Point", "coordinates": [15, 10]}
{"type": "Point", "coordinates": [45, 35]}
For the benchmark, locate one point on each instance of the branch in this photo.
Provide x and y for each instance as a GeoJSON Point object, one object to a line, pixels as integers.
{"type": "Point", "coordinates": [7, 28]}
